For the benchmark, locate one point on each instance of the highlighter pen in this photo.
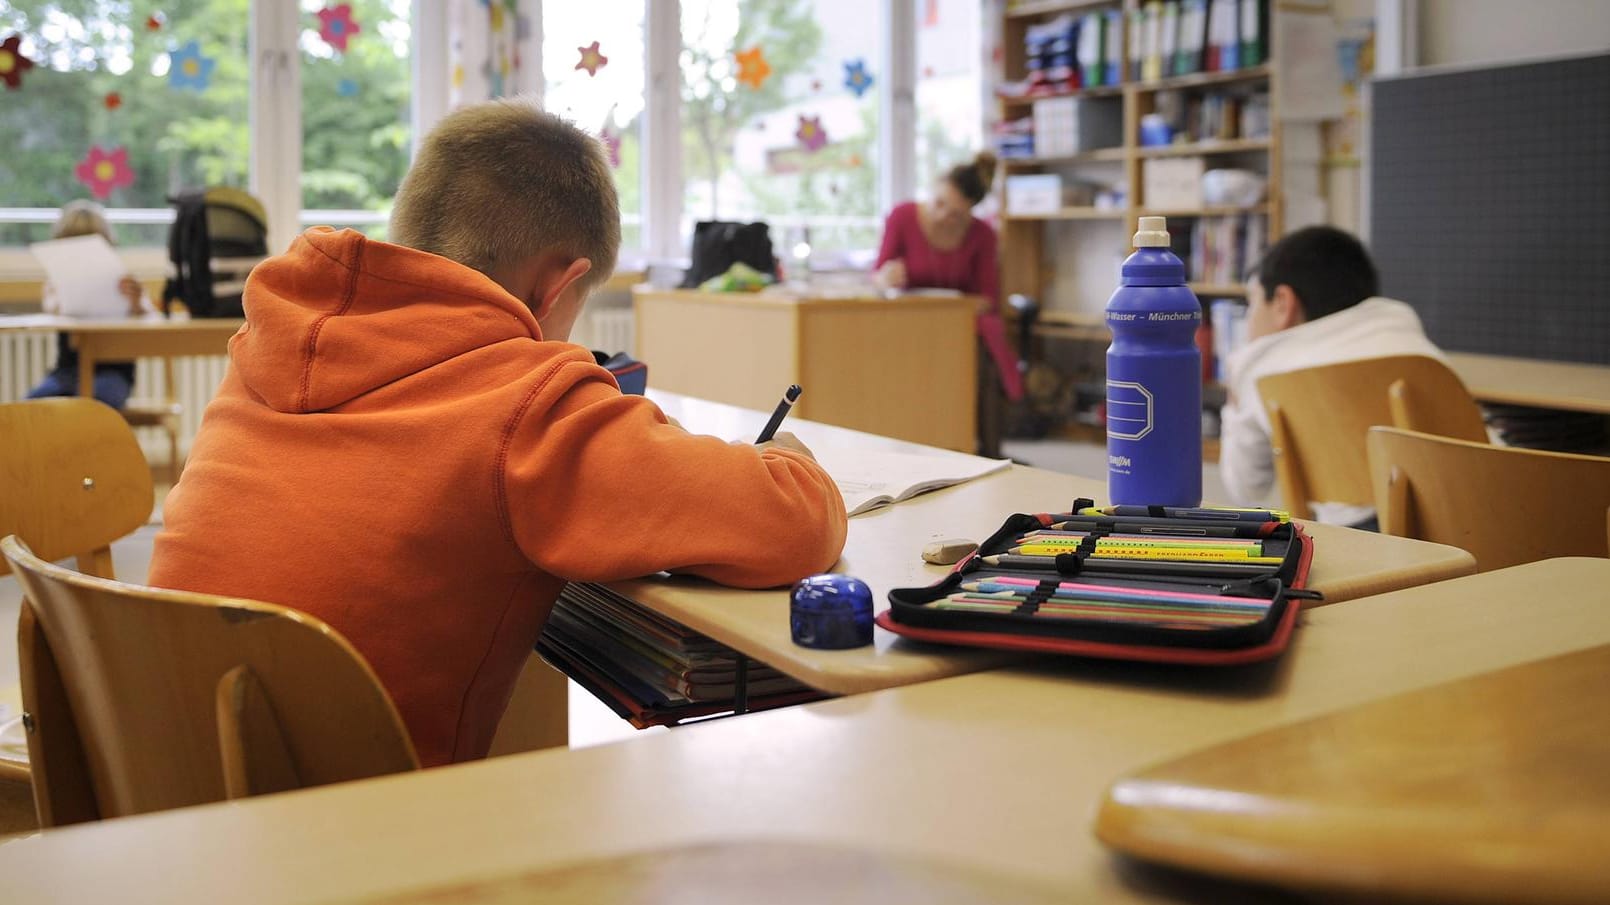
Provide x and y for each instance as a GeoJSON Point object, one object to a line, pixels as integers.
{"type": "Point", "coordinates": [1205, 513]}
{"type": "Point", "coordinates": [790, 396]}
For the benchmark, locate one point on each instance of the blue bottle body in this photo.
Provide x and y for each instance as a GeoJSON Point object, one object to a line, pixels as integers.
{"type": "Point", "coordinates": [1154, 385]}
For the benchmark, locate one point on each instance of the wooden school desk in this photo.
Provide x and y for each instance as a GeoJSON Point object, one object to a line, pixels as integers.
{"type": "Point", "coordinates": [125, 339]}
{"type": "Point", "coordinates": [902, 367]}
{"type": "Point", "coordinates": [999, 772]}
{"type": "Point", "coordinates": [1529, 381]}
{"type": "Point", "coordinates": [884, 546]}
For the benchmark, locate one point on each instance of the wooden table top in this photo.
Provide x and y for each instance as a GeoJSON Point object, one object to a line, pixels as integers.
{"type": "Point", "coordinates": [814, 297]}
{"type": "Point", "coordinates": [884, 546]}
{"type": "Point", "coordinates": [1494, 788]}
{"type": "Point", "coordinates": [1530, 381]}
{"type": "Point", "coordinates": [146, 323]}
{"type": "Point", "coordinates": [1000, 772]}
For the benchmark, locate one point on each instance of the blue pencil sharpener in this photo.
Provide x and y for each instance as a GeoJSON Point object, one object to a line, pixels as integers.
{"type": "Point", "coordinates": [831, 612]}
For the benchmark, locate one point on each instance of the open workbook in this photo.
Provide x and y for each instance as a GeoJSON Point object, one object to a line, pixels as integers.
{"type": "Point", "coordinates": [870, 480]}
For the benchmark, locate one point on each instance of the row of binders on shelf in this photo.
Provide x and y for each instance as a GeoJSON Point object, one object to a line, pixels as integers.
{"type": "Point", "coordinates": [651, 670]}
{"type": "Point", "coordinates": [1071, 52]}
{"type": "Point", "coordinates": [1183, 37]}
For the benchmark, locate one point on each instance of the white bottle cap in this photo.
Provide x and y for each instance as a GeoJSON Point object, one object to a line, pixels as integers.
{"type": "Point", "coordinates": [1153, 233]}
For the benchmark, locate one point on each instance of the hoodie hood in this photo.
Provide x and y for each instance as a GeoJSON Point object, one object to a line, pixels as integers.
{"type": "Point", "coordinates": [340, 315]}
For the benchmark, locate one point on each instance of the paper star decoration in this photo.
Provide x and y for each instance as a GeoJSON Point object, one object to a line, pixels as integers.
{"type": "Point", "coordinates": [103, 171]}
{"type": "Point", "coordinates": [12, 63]}
{"type": "Point", "coordinates": [753, 69]}
{"type": "Point", "coordinates": [347, 88]}
{"type": "Point", "coordinates": [153, 22]}
{"type": "Point", "coordinates": [336, 26]}
{"type": "Point", "coordinates": [113, 100]}
{"type": "Point", "coordinates": [591, 59]}
{"type": "Point", "coordinates": [856, 78]}
{"type": "Point", "coordinates": [811, 134]}
{"type": "Point", "coordinates": [188, 69]}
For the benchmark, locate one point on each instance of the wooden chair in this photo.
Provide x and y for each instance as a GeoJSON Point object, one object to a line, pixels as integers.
{"type": "Point", "coordinates": [162, 412]}
{"type": "Point", "coordinates": [140, 699]}
{"type": "Point", "coordinates": [72, 479]}
{"type": "Point", "coordinates": [1318, 418]}
{"type": "Point", "coordinates": [1506, 506]}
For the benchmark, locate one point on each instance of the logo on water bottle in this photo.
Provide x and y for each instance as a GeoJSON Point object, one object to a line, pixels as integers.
{"type": "Point", "coordinates": [1129, 410]}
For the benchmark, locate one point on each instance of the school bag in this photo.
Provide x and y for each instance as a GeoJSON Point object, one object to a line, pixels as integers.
{"type": "Point", "coordinates": [218, 235]}
{"type": "Point", "coordinates": [718, 244]}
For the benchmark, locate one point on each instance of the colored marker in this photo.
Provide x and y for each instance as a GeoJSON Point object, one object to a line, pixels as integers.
{"type": "Point", "coordinates": [1024, 585]}
{"type": "Point", "coordinates": [1162, 526]}
{"type": "Point", "coordinates": [790, 396]}
{"type": "Point", "coordinates": [1166, 553]}
{"type": "Point", "coordinates": [1201, 513]}
{"type": "Point", "coordinates": [1229, 605]}
{"type": "Point", "coordinates": [1109, 566]}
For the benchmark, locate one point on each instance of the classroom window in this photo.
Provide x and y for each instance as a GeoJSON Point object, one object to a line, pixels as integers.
{"type": "Point", "coordinates": [608, 101]}
{"type": "Point", "coordinates": [117, 107]}
{"type": "Point", "coordinates": [356, 133]}
{"type": "Point", "coordinates": [779, 120]}
{"type": "Point", "coordinates": [949, 103]}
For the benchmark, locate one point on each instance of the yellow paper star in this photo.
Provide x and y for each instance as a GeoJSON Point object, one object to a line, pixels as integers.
{"type": "Point", "coordinates": [753, 70]}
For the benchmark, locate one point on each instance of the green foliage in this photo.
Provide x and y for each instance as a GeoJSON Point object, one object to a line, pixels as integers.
{"type": "Point", "coordinates": [355, 148]}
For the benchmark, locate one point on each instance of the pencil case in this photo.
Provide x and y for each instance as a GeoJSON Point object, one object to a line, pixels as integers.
{"type": "Point", "coordinates": [1175, 605]}
{"type": "Point", "coordinates": [630, 374]}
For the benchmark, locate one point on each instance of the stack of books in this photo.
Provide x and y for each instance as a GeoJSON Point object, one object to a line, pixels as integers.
{"type": "Point", "coordinates": [651, 670]}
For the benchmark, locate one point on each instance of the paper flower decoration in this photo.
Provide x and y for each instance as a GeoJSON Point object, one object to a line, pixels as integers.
{"type": "Point", "coordinates": [816, 84]}
{"type": "Point", "coordinates": [153, 22]}
{"type": "Point", "coordinates": [12, 63]}
{"type": "Point", "coordinates": [188, 69]}
{"type": "Point", "coordinates": [811, 134]}
{"type": "Point", "coordinates": [113, 100]}
{"type": "Point", "coordinates": [103, 171]}
{"type": "Point", "coordinates": [856, 78]}
{"type": "Point", "coordinates": [347, 88]}
{"type": "Point", "coordinates": [336, 25]}
{"type": "Point", "coordinates": [591, 59]}
{"type": "Point", "coordinates": [612, 147]}
{"type": "Point", "coordinates": [753, 69]}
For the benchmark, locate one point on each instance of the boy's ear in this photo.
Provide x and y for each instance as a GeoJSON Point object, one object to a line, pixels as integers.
{"type": "Point", "coordinates": [1288, 307]}
{"type": "Point", "coordinates": [555, 287]}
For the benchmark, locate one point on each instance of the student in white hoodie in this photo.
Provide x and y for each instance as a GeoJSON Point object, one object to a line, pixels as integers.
{"type": "Point", "coordinates": [1313, 300]}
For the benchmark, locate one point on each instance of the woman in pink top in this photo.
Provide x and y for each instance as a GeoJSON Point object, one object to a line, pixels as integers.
{"type": "Point", "coordinates": [941, 245]}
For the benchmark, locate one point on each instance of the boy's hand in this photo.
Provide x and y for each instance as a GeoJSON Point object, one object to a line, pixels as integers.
{"type": "Point", "coordinates": [131, 291]}
{"type": "Point", "coordinates": [786, 440]}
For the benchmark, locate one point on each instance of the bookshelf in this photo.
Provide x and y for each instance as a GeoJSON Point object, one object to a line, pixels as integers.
{"type": "Point", "coordinates": [1029, 254]}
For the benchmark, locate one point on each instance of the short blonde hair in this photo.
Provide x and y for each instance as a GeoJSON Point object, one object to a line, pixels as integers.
{"type": "Point", "coordinates": [503, 182]}
{"type": "Point", "coordinates": [81, 218]}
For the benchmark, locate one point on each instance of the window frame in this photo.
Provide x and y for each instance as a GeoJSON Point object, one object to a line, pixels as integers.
{"type": "Point", "coordinates": [275, 125]}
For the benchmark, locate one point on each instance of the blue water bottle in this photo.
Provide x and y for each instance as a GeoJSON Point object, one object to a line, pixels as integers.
{"type": "Point", "coordinates": [1154, 379]}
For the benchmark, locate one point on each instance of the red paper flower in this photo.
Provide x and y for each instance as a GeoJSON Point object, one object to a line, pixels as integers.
{"type": "Point", "coordinates": [113, 100]}
{"type": "Point", "coordinates": [12, 63]}
{"type": "Point", "coordinates": [153, 22]}
{"type": "Point", "coordinates": [591, 59]}
{"type": "Point", "coordinates": [103, 171]}
{"type": "Point", "coordinates": [336, 25]}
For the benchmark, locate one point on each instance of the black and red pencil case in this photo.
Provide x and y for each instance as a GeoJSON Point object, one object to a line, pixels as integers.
{"type": "Point", "coordinates": [1040, 622]}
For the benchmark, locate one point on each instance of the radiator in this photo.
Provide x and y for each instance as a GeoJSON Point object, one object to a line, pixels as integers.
{"type": "Point", "coordinates": [25, 358]}
{"type": "Point", "coordinates": [610, 330]}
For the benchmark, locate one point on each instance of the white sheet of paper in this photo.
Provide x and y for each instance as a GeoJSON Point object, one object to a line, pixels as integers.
{"type": "Point", "coordinates": [84, 272]}
{"type": "Point", "coordinates": [869, 480]}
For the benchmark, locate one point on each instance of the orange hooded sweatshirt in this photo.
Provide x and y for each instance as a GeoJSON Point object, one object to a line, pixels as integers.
{"type": "Point", "coordinates": [397, 451]}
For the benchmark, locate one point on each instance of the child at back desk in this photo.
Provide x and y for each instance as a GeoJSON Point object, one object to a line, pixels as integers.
{"type": "Point", "coordinates": [114, 381]}
{"type": "Point", "coordinates": [406, 446]}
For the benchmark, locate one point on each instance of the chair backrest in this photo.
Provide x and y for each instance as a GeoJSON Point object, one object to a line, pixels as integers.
{"type": "Point", "coordinates": [1506, 506]}
{"type": "Point", "coordinates": [72, 479]}
{"type": "Point", "coordinates": [142, 699]}
{"type": "Point", "coordinates": [1318, 417]}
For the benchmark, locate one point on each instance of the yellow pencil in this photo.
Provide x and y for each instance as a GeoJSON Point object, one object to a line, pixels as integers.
{"type": "Point", "coordinates": [1202, 554]}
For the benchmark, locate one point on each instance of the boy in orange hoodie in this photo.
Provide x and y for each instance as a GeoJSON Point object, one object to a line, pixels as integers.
{"type": "Point", "coordinates": [406, 446]}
